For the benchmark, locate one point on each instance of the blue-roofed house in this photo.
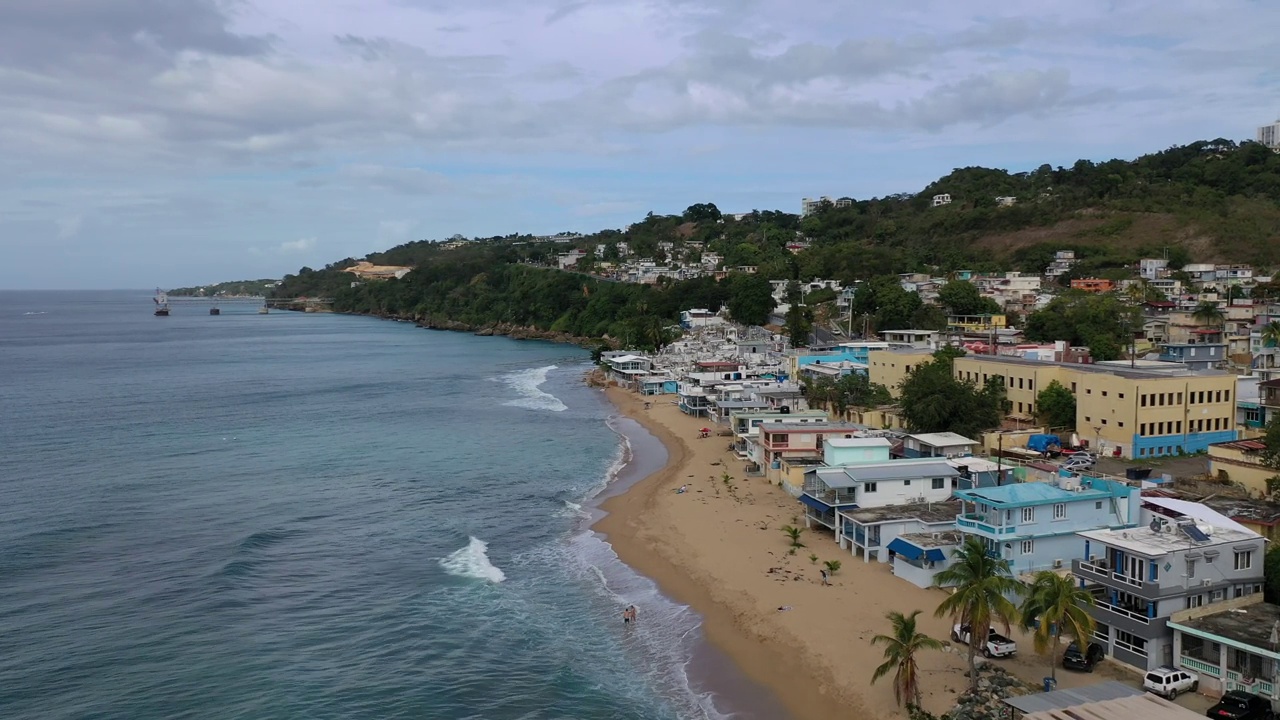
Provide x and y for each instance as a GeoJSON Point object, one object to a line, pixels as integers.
{"type": "Point", "coordinates": [918, 557]}
{"type": "Point", "coordinates": [940, 444]}
{"type": "Point", "coordinates": [874, 532]}
{"type": "Point", "coordinates": [1033, 524]}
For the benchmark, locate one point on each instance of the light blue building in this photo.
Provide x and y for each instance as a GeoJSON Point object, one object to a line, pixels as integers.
{"type": "Point", "coordinates": [856, 353]}
{"type": "Point", "coordinates": [1033, 525]}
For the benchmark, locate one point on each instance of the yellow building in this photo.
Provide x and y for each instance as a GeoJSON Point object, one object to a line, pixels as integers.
{"type": "Point", "coordinates": [1152, 410]}
{"type": "Point", "coordinates": [1240, 462]}
{"type": "Point", "coordinates": [976, 324]}
{"type": "Point", "coordinates": [890, 367]}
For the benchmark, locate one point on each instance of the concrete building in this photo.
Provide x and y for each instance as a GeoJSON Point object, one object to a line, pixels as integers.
{"type": "Point", "coordinates": [1183, 555]}
{"type": "Point", "coordinates": [1093, 285]}
{"type": "Point", "coordinates": [1111, 700]}
{"type": "Point", "coordinates": [869, 531]}
{"type": "Point", "coordinates": [1150, 410]}
{"type": "Point", "coordinates": [1152, 268]}
{"type": "Point", "coordinates": [913, 339]}
{"type": "Point", "coordinates": [939, 444]}
{"type": "Point", "coordinates": [1231, 645]}
{"type": "Point", "coordinates": [1269, 135]}
{"type": "Point", "coordinates": [1195, 355]}
{"type": "Point", "coordinates": [828, 490]}
{"type": "Point", "coordinates": [1063, 260]}
{"type": "Point", "coordinates": [1240, 462]}
{"type": "Point", "coordinates": [941, 199]}
{"type": "Point", "coordinates": [891, 367]}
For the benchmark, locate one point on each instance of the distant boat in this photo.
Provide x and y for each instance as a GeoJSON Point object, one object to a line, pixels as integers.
{"type": "Point", "coordinates": [263, 310]}
{"type": "Point", "coordinates": [213, 310]}
{"type": "Point", "coordinates": [162, 303]}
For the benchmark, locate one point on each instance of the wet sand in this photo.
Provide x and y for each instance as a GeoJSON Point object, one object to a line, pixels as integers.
{"type": "Point", "coordinates": [713, 548]}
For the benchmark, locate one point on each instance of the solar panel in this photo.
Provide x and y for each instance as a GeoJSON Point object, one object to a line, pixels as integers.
{"type": "Point", "coordinates": [1195, 533]}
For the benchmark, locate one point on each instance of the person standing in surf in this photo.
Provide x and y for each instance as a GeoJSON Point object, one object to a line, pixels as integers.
{"type": "Point", "coordinates": [629, 615]}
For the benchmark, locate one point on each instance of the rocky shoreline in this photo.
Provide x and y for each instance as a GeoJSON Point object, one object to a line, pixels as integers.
{"type": "Point", "coordinates": [510, 330]}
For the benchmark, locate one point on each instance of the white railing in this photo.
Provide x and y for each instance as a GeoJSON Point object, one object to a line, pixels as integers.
{"type": "Point", "coordinates": [1131, 648]}
{"type": "Point", "coordinates": [1127, 580]}
{"type": "Point", "coordinates": [1086, 565]}
{"type": "Point", "coordinates": [1127, 613]}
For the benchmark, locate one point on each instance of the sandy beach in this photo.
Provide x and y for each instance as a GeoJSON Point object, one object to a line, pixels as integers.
{"type": "Point", "coordinates": [723, 553]}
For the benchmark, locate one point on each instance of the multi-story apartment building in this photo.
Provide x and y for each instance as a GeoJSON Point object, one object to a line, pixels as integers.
{"type": "Point", "coordinates": [1062, 262]}
{"type": "Point", "coordinates": [1269, 135]}
{"type": "Point", "coordinates": [1152, 268]}
{"type": "Point", "coordinates": [1150, 410]}
{"type": "Point", "coordinates": [1205, 355]}
{"type": "Point", "coordinates": [828, 490]}
{"type": "Point", "coordinates": [1033, 525]}
{"type": "Point", "coordinates": [779, 441]}
{"type": "Point", "coordinates": [1182, 555]}
{"type": "Point", "coordinates": [891, 367]}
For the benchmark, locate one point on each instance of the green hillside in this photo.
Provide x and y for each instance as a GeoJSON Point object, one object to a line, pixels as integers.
{"type": "Point", "coordinates": [1210, 201]}
{"type": "Point", "coordinates": [235, 288]}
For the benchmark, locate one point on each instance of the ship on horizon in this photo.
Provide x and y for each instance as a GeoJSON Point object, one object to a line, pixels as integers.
{"type": "Point", "coordinates": [162, 303]}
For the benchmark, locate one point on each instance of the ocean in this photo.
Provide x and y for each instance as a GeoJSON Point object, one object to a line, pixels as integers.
{"type": "Point", "coordinates": [319, 516]}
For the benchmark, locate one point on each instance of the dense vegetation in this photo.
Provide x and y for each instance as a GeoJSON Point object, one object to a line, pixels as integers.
{"type": "Point", "coordinates": [1210, 200]}
{"type": "Point", "coordinates": [933, 399]}
{"type": "Point", "coordinates": [240, 288]}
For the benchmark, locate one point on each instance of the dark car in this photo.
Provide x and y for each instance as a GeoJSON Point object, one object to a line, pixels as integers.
{"type": "Point", "coordinates": [1073, 659]}
{"type": "Point", "coordinates": [1237, 705]}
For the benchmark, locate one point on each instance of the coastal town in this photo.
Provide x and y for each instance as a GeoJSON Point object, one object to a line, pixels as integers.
{"type": "Point", "coordinates": [1136, 493]}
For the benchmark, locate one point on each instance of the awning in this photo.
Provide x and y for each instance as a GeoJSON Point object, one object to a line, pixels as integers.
{"type": "Point", "coordinates": [935, 555]}
{"type": "Point", "coordinates": [815, 503]}
{"type": "Point", "coordinates": [905, 549]}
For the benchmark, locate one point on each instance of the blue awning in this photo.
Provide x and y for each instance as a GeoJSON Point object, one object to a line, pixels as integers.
{"type": "Point", "coordinates": [815, 503]}
{"type": "Point", "coordinates": [935, 555]}
{"type": "Point", "coordinates": [905, 549]}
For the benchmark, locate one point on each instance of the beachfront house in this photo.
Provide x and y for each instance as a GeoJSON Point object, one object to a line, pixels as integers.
{"type": "Point", "coordinates": [788, 440]}
{"type": "Point", "coordinates": [976, 472]}
{"type": "Point", "coordinates": [1183, 555]}
{"type": "Point", "coordinates": [626, 370]}
{"type": "Point", "coordinates": [827, 490]}
{"type": "Point", "coordinates": [746, 432]}
{"type": "Point", "coordinates": [919, 557]}
{"type": "Point", "coordinates": [940, 444]}
{"type": "Point", "coordinates": [1033, 525]}
{"type": "Point", "coordinates": [870, 531]}
{"type": "Point", "coordinates": [659, 384]}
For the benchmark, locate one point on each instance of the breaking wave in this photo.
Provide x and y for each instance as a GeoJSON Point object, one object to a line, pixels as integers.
{"type": "Point", "coordinates": [527, 384]}
{"type": "Point", "coordinates": [473, 561]}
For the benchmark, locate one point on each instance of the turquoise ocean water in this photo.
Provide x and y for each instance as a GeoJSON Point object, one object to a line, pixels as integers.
{"type": "Point", "coordinates": [317, 516]}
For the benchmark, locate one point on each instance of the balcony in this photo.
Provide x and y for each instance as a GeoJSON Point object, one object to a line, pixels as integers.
{"type": "Point", "coordinates": [1200, 666]}
{"type": "Point", "coordinates": [977, 523]}
{"type": "Point", "coordinates": [1131, 614]}
{"type": "Point", "coordinates": [1099, 572]}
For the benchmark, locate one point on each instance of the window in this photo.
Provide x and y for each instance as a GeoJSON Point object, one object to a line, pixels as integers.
{"type": "Point", "coordinates": [1244, 560]}
{"type": "Point", "coordinates": [1104, 421]}
{"type": "Point", "coordinates": [1020, 384]}
{"type": "Point", "coordinates": [1060, 511]}
{"type": "Point", "coordinates": [938, 483]}
{"type": "Point", "coordinates": [1097, 505]}
{"type": "Point", "coordinates": [1191, 568]}
{"type": "Point", "coordinates": [1029, 515]}
{"type": "Point", "coordinates": [1028, 547]}
{"type": "Point", "coordinates": [1144, 399]}
{"type": "Point", "coordinates": [1073, 388]}
{"type": "Point", "coordinates": [1088, 419]}
{"type": "Point", "coordinates": [868, 487]}
{"type": "Point", "coordinates": [1194, 601]}
{"type": "Point", "coordinates": [1121, 395]}
{"type": "Point", "coordinates": [1104, 393]}
{"type": "Point", "coordinates": [1120, 423]}
{"type": "Point", "coordinates": [1179, 398]}
{"type": "Point", "coordinates": [1088, 391]}
{"type": "Point", "coordinates": [1218, 596]}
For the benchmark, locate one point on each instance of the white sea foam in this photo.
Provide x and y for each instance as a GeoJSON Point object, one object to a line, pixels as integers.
{"type": "Point", "coordinates": [527, 383]}
{"type": "Point", "coordinates": [35, 313]}
{"type": "Point", "coordinates": [473, 561]}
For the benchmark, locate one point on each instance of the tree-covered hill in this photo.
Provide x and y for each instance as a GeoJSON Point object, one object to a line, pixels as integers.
{"type": "Point", "coordinates": [1210, 201]}
{"type": "Point", "coordinates": [234, 288]}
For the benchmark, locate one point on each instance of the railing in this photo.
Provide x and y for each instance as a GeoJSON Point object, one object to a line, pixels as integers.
{"type": "Point", "coordinates": [1090, 567]}
{"type": "Point", "coordinates": [1127, 613]}
{"type": "Point", "coordinates": [1200, 666]}
{"type": "Point", "coordinates": [1130, 647]}
{"type": "Point", "coordinates": [974, 523]}
{"type": "Point", "coordinates": [1127, 580]}
{"type": "Point", "coordinates": [1266, 687]}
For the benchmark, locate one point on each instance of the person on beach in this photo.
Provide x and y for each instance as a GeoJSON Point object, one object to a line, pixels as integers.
{"type": "Point", "coordinates": [681, 490]}
{"type": "Point", "coordinates": [629, 615]}
{"type": "Point", "coordinates": [824, 577]}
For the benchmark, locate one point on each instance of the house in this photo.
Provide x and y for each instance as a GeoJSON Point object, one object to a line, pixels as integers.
{"type": "Point", "coordinates": [1195, 355]}
{"type": "Point", "coordinates": [626, 370]}
{"type": "Point", "coordinates": [1152, 268]}
{"type": "Point", "coordinates": [1006, 200]}
{"type": "Point", "coordinates": [870, 531]}
{"type": "Point", "coordinates": [978, 472]}
{"type": "Point", "coordinates": [976, 324]}
{"type": "Point", "coordinates": [919, 557]}
{"type": "Point", "coordinates": [941, 199]}
{"type": "Point", "coordinates": [943, 444]}
{"type": "Point", "coordinates": [855, 353]}
{"type": "Point", "coordinates": [1063, 260]}
{"type": "Point", "coordinates": [918, 339]}
{"type": "Point", "coordinates": [368, 271]}
{"type": "Point", "coordinates": [1149, 409]}
{"type": "Point", "coordinates": [787, 440]}
{"type": "Point", "coordinates": [1184, 555]}
{"type": "Point", "coordinates": [569, 259]}
{"type": "Point", "coordinates": [1110, 700]}
{"type": "Point", "coordinates": [1240, 462]}
{"type": "Point", "coordinates": [1231, 645]}
{"type": "Point", "coordinates": [1093, 285]}
{"type": "Point", "coordinates": [659, 384]}
{"type": "Point", "coordinates": [699, 317]}
{"type": "Point", "coordinates": [1033, 525]}
{"type": "Point", "coordinates": [1260, 516]}
{"type": "Point", "coordinates": [873, 484]}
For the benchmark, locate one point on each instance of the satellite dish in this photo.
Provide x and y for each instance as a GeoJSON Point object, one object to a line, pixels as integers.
{"type": "Point", "coordinates": [1155, 525]}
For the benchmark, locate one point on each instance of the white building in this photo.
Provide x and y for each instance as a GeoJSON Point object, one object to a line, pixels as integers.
{"type": "Point", "coordinates": [942, 199]}
{"type": "Point", "coordinates": [809, 206]}
{"type": "Point", "coordinates": [1152, 268]}
{"type": "Point", "coordinates": [1006, 200]}
{"type": "Point", "coordinates": [1062, 262]}
{"type": "Point", "coordinates": [1269, 135]}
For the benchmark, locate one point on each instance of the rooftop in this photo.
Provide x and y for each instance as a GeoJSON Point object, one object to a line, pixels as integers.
{"type": "Point", "coordinates": [1243, 445]}
{"type": "Point", "coordinates": [1251, 624]}
{"type": "Point", "coordinates": [1058, 699]}
{"type": "Point", "coordinates": [943, 439]}
{"type": "Point", "coordinates": [781, 427]}
{"type": "Point", "coordinates": [1143, 541]}
{"type": "Point", "coordinates": [859, 442]}
{"type": "Point", "coordinates": [946, 538]}
{"type": "Point", "coordinates": [1176, 369]}
{"type": "Point", "coordinates": [1033, 493]}
{"type": "Point", "coordinates": [1250, 511]}
{"type": "Point", "coordinates": [911, 469]}
{"type": "Point", "coordinates": [1135, 706]}
{"type": "Point", "coordinates": [939, 512]}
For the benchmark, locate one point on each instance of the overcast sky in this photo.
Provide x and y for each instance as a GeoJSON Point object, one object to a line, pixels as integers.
{"type": "Point", "coordinates": [174, 142]}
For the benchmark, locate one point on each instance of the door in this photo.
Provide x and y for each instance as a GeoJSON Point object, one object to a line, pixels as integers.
{"type": "Point", "coordinates": [1133, 567]}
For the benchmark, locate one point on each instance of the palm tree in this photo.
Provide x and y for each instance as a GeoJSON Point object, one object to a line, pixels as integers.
{"type": "Point", "coordinates": [900, 650]}
{"type": "Point", "coordinates": [794, 534]}
{"type": "Point", "coordinates": [1057, 606]}
{"type": "Point", "coordinates": [982, 585]}
{"type": "Point", "coordinates": [1271, 333]}
{"type": "Point", "coordinates": [1208, 313]}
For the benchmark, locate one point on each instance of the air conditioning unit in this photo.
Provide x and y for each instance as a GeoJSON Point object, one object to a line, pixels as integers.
{"type": "Point", "coordinates": [1206, 582]}
{"type": "Point", "coordinates": [1057, 564]}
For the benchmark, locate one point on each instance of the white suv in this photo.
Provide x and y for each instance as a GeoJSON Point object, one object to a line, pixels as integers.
{"type": "Point", "coordinates": [1168, 682]}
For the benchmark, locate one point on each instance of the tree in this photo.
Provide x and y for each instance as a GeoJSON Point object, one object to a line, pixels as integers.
{"type": "Point", "coordinates": [900, 648]}
{"type": "Point", "coordinates": [799, 317]}
{"type": "Point", "coordinates": [833, 566]}
{"type": "Point", "coordinates": [1103, 322]}
{"type": "Point", "coordinates": [961, 297]}
{"type": "Point", "coordinates": [750, 299]}
{"type": "Point", "coordinates": [982, 588]}
{"type": "Point", "coordinates": [1056, 406]}
{"type": "Point", "coordinates": [1208, 313]}
{"type": "Point", "coordinates": [793, 534]}
{"type": "Point", "coordinates": [1055, 606]}
{"type": "Point", "coordinates": [1271, 571]}
{"type": "Point", "coordinates": [1271, 333]}
{"type": "Point", "coordinates": [933, 399]}
{"type": "Point", "coordinates": [1271, 444]}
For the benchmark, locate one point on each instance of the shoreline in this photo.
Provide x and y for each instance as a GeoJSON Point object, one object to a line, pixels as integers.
{"type": "Point", "coordinates": [765, 663]}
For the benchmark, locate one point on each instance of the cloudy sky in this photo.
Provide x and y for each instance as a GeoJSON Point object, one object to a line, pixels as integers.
{"type": "Point", "coordinates": [173, 142]}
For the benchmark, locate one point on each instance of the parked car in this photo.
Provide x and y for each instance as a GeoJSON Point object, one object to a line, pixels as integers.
{"type": "Point", "coordinates": [1079, 461]}
{"type": "Point", "coordinates": [1170, 682]}
{"type": "Point", "coordinates": [1073, 659]}
{"type": "Point", "coordinates": [997, 645]}
{"type": "Point", "coordinates": [1240, 705]}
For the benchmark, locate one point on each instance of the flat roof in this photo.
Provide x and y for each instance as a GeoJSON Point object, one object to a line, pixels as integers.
{"type": "Point", "coordinates": [975, 464]}
{"type": "Point", "coordinates": [1136, 373]}
{"type": "Point", "coordinates": [775, 427]}
{"type": "Point", "coordinates": [1144, 706]}
{"type": "Point", "coordinates": [946, 538]}
{"type": "Point", "coordinates": [859, 442]}
{"type": "Point", "coordinates": [1071, 697]}
{"type": "Point", "coordinates": [943, 439]}
{"type": "Point", "coordinates": [1143, 541]}
{"type": "Point", "coordinates": [910, 469]}
{"type": "Point", "coordinates": [1251, 624]}
{"type": "Point", "coordinates": [938, 512]}
{"type": "Point", "coordinates": [1029, 493]}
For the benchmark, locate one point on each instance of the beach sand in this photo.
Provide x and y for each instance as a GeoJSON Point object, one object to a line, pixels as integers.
{"type": "Point", "coordinates": [713, 549]}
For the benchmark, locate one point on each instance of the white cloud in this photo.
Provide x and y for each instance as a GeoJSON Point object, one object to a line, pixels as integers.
{"type": "Point", "coordinates": [69, 226]}
{"type": "Point", "coordinates": [299, 245]}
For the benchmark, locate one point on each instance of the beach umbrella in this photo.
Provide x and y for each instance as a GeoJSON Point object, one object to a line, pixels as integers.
{"type": "Point", "coordinates": [706, 429]}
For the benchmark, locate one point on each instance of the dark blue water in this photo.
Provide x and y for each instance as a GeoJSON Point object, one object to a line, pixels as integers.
{"type": "Point", "coordinates": [309, 516]}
